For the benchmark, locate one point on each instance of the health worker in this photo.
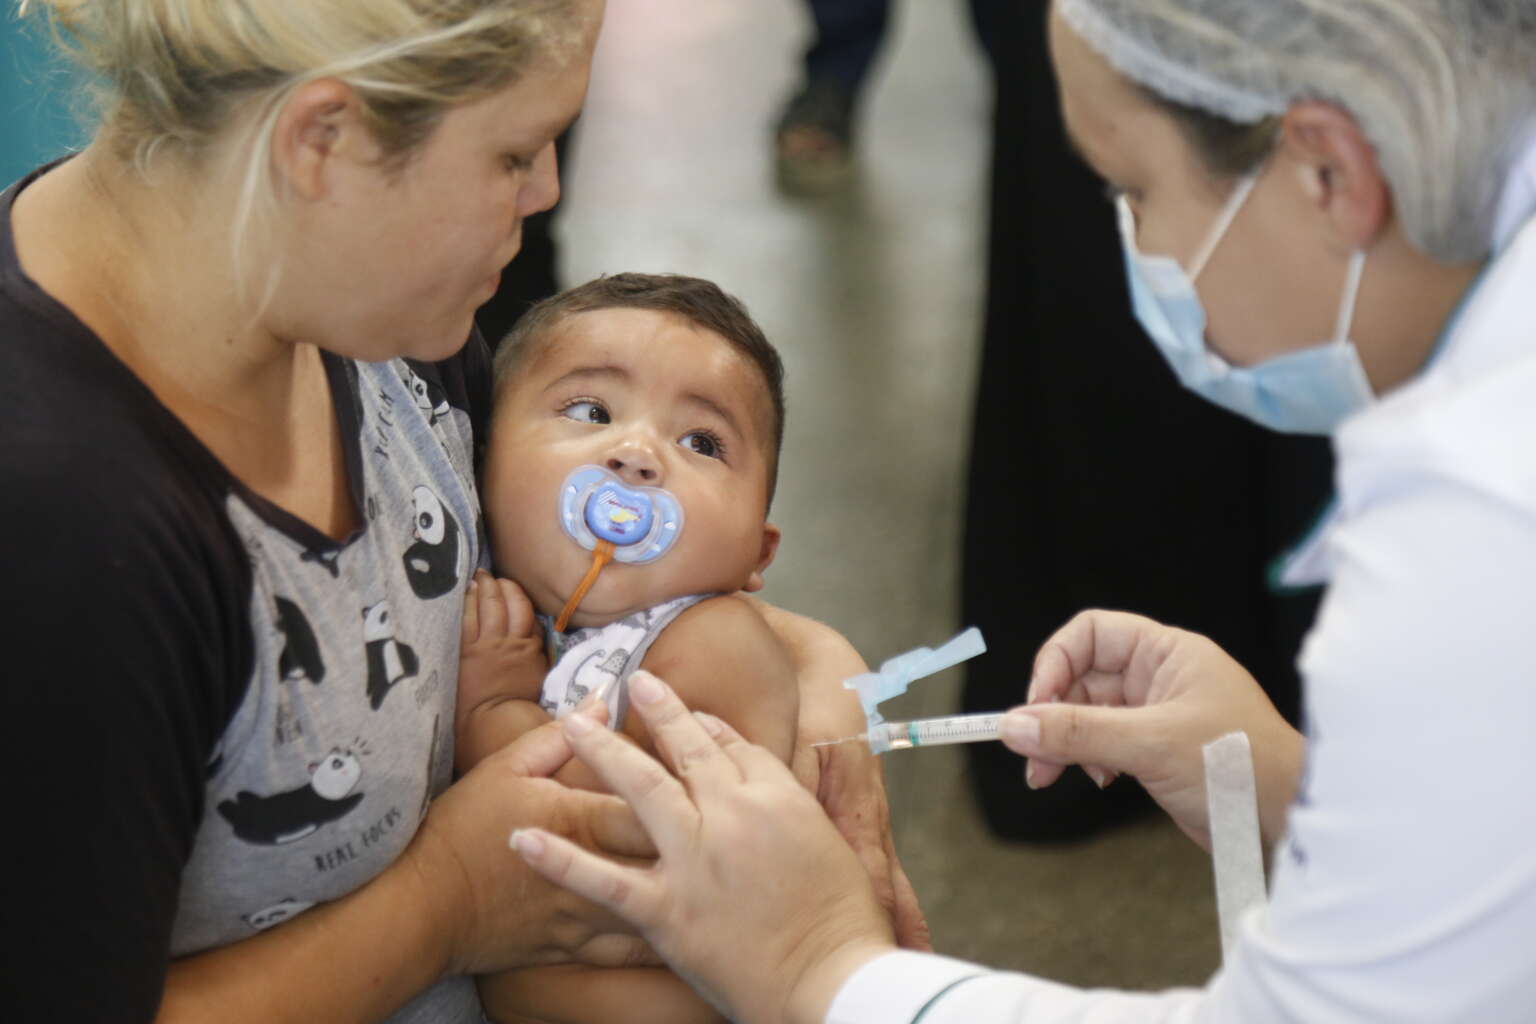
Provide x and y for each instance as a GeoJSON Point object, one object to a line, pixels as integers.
{"type": "Point", "coordinates": [1326, 214]}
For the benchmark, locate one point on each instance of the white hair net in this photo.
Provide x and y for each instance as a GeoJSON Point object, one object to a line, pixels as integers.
{"type": "Point", "coordinates": [1444, 89]}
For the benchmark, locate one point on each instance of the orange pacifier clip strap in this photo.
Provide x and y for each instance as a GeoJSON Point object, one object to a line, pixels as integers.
{"type": "Point", "coordinates": [601, 556]}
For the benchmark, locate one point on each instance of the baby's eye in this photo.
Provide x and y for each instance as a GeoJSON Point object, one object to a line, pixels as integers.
{"type": "Point", "coordinates": [587, 412]}
{"type": "Point", "coordinates": [703, 442]}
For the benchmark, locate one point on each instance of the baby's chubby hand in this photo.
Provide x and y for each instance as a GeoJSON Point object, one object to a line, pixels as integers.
{"type": "Point", "coordinates": [500, 655]}
{"type": "Point", "coordinates": [495, 610]}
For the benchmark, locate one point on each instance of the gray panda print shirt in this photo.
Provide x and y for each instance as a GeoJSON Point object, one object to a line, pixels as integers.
{"type": "Point", "coordinates": [216, 718]}
{"type": "Point", "coordinates": [345, 733]}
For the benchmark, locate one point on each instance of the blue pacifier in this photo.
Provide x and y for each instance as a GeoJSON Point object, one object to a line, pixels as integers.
{"type": "Point", "coordinates": [642, 523]}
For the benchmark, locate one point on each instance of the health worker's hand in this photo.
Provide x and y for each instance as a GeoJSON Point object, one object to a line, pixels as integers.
{"type": "Point", "coordinates": [494, 913]}
{"type": "Point", "coordinates": [846, 778]}
{"type": "Point", "coordinates": [756, 900]}
{"type": "Point", "coordinates": [1117, 692]}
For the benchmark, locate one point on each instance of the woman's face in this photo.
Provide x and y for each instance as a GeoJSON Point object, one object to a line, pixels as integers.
{"type": "Point", "coordinates": [390, 262]}
{"type": "Point", "coordinates": [1274, 283]}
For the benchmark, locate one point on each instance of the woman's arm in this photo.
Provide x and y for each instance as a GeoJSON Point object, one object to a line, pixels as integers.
{"type": "Point", "coordinates": [452, 904]}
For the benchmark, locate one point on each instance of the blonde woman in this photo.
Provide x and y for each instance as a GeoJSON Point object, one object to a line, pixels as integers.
{"type": "Point", "coordinates": [237, 446]}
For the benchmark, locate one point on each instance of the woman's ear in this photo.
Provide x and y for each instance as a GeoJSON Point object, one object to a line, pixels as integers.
{"type": "Point", "coordinates": [1337, 171]}
{"type": "Point", "coordinates": [770, 548]}
{"type": "Point", "coordinates": [310, 130]}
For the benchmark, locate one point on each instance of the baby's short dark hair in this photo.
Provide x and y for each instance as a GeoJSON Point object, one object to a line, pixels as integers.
{"type": "Point", "coordinates": [696, 300]}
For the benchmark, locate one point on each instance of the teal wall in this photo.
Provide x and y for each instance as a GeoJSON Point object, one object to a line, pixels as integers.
{"type": "Point", "coordinates": [38, 101]}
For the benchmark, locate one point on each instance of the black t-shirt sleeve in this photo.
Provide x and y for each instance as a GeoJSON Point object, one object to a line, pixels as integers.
{"type": "Point", "coordinates": [126, 650]}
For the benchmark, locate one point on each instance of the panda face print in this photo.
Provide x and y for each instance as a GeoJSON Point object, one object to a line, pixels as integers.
{"type": "Point", "coordinates": [389, 659]}
{"type": "Point", "coordinates": [430, 516]}
{"type": "Point", "coordinates": [334, 777]}
{"type": "Point", "coordinates": [432, 561]}
{"type": "Point", "coordinates": [376, 624]}
{"type": "Point", "coordinates": [289, 816]}
{"type": "Point", "coordinates": [429, 398]}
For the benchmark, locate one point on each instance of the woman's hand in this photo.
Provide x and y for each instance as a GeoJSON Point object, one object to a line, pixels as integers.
{"type": "Point", "coordinates": [846, 778]}
{"type": "Point", "coordinates": [1116, 692]}
{"type": "Point", "coordinates": [494, 914]}
{"type": "Point", "coordinates": [756, 901]}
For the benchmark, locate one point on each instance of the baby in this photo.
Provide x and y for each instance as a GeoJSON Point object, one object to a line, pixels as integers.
{"type": "Point", "coordinates": [632, 458]}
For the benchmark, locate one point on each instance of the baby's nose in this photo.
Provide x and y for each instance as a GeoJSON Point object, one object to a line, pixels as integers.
{"type": "Point", "coordinates": [635, 464]}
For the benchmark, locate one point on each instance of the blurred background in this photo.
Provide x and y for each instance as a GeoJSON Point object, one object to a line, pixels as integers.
{"type": "Point", "coordinates": [978, 433]}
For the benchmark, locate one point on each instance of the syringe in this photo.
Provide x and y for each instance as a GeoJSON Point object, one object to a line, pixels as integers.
{"type": "Point", "coordinates": [927, 732]}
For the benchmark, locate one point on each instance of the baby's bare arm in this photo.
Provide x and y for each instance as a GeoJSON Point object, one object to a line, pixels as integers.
{"type": "Point", "coordinates": [721, 657]}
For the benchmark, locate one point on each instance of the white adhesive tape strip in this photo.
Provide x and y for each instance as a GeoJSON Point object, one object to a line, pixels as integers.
{"type": "Point", "coordinates": [1236, 850]}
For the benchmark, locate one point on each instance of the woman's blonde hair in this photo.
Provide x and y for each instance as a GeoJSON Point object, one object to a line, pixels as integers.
{"type": "Point", "coordinates": [175, 74]}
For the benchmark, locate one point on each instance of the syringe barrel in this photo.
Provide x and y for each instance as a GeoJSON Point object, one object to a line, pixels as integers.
{"type": "Point", "coordinates": [887, 736]}
{"type": "Point", "coordinates": [929, 732]}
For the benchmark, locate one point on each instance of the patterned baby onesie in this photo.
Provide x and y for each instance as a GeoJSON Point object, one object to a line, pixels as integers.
{"type": "Point", "coordinates": [586, 660]}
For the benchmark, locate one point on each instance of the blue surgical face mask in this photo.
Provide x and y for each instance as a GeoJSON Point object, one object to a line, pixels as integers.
{"type": "Point", "coordinates": [1309, 391]}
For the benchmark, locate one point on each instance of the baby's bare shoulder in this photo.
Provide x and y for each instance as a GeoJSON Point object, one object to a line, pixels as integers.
{"type": "Point", "coordinates": [722, 657]}
{"type": "Point", "coordinates": [725, 626]}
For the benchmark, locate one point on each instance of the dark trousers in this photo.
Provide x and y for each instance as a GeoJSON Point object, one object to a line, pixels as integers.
{"type": "Point", "coordinates": [848, 35]}
{"type": "Point", "coordinates": [1095, 480]}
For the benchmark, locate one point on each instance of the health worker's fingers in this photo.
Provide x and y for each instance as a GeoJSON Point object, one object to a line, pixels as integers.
{"type": "Point", "coordinates": [631, 893]}
{"type": "Point", "coordinates": [754, 762]}
{"type": "Point", "coordinates": [1040, 773]}
{"type": "Point", "coordinates": [1100, 775]}
{"type": "Point", "coordinates": [680, 739]}
{"type": "Point", "coordinates": [538, 753]}
{"type": "Point", "coordinates": [469, 631]}
{"type": "Point", "coordinates": [662, 804]}
{"type": "Point", "coordinates": [1118, 739]}
{"type": "Point", "coordinates": [1092, 642]}
{"type": "Point", "coordinates": [615, 829]}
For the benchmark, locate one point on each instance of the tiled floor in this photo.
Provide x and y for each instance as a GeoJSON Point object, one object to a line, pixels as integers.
{"type": "Point", "coordinates": [873, 299]}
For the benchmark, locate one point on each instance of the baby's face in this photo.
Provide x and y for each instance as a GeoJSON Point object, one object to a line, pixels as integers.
{"type": "Point", "coordinates": [659, 402]}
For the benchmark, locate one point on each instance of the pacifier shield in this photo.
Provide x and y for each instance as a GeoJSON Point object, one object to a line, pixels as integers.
{"type": "Point", "coordinates": [620, 515]}
{"type": "Point", "coordinates": [642, 523]}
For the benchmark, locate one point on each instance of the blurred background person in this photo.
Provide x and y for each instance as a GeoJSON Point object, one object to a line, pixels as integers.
{"type": "Point", "coordinates": [814, 134]}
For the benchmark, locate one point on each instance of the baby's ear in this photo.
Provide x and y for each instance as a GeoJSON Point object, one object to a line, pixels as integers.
{"type": "Point", "coordinates": [770, 548]}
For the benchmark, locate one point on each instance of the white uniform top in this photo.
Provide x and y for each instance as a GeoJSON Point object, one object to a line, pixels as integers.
{"type": "Point", "coordinates": [1405, 887]}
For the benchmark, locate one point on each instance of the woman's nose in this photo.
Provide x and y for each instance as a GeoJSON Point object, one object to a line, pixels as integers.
{"type": "Point", "coordinates": [636, 464]}
{"type": "Point", "coordinates": [542, 189]}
